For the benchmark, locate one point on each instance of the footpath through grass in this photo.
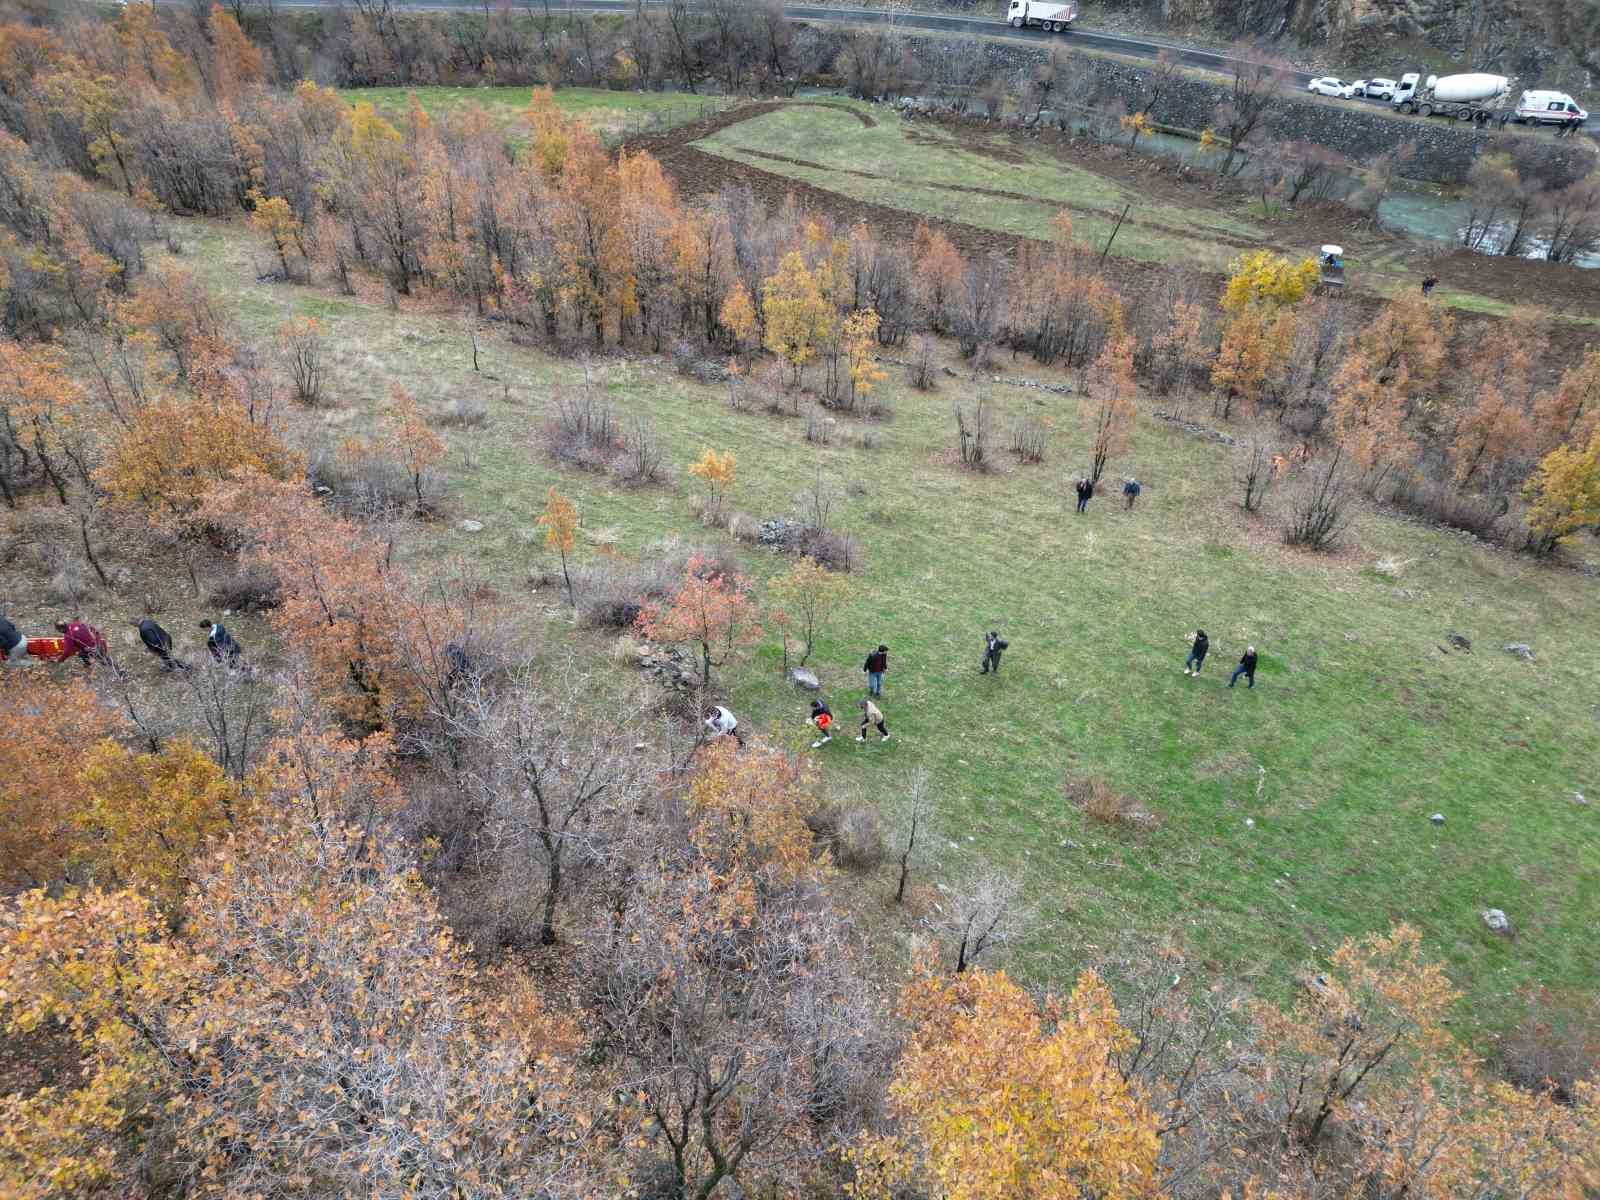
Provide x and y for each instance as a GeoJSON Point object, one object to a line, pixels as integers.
{"type": "Point", "coordinates": [1289, 816]}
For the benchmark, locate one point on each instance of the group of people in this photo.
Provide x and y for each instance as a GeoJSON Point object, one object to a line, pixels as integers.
{"type": "Point", "coordinates": [1200, 646]}
{"type": "Point", "coordinates": [1085, 489]}
{"type": "Point", "coordinates": [78, 639]}
{"type": "Point", "coordinates": [721, 722]}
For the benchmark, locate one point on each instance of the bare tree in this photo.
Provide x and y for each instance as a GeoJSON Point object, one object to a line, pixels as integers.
{"type": "Point", "coordinates": [913, 828]}
{"type": "Point", "coordinates": [1571, 224]}
{"type": "Point", "coordinates": [1255, 471]}
{"type": "Point", "coordinates": [973, 432]}
{"type": "Point", "coordinates": [1324, 507]}
{"type": "Point", "coordinates": [985, 913]}
{"type": "Point", "coordinates": [1257, 86]}
{"type": "Point", "coordinates": [544, 768]}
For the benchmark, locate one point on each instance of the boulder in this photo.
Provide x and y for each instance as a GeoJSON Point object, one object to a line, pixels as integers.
{"type": "Point", "coordinates": [805, 677]}
{"type": "Point", "coordinates": [1521, 649]}
{"type": "Point", "coordinates": [470, 526]}
{"type": "Point", "coordinates": [1459, 642]}
{"type": "Point", "coordinates": [1496, 921]}
{"type": "Point", "coordinates": [1437, 818]}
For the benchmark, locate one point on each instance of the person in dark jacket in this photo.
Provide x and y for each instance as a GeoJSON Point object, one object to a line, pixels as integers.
{"type": "Point", "coordinates": [876, 666]}
{"type": "Point", "coordinates": [12, 643]}
{"type": "Point", "coordinates": [159, 642]}
{"type": "Point", "coordinates": [822, 718]}
{"type": "Point", "coordinates": [1197, 653]}
{"type": "Point", "coordinates": [993, 645]}
{"type": "Point", "coordinates": [1246, 667]}
{"type": "Point", "coordinates": [1085, 492]}
{"type": "Point", "coordinates": [84, 640]}
{"type": "Point", "coordinates": [1130, 491]}
{"type": "Point", "coordinates": [221, 644]}
{"type": "Point", "coordinates": [1429, 282]}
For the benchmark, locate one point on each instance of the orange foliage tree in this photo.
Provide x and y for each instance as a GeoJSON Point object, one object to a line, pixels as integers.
{"type": "Point", "coordinates": [718, 471]}
{"type": "Point", "coordinates": [1391, 366]}
{"type": "Point", "coordinates": [1569, 412]}
{"type": "Point", "coordinates": [44, 412]}
{"type": "Point", "coordinates": [1110, 415]}
{"type": "Point", "coordinates": [1000, 1098]}
{"type": "Point", "coordinates": [1564, 493]}
{"type": "Point", "coordinates": [1494, 429]}
{"type": "Point", "coordinates": [560, 522]}
{"type": "Point", "coordinates": [709, 610]}
{"type": "Point", "coordinates": [51, 726]}
{"type": "Point", "coordinates": [749, 808]}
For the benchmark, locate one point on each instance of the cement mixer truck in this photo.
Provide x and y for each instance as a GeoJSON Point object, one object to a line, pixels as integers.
{"type": "Point", "coordinates": [1475, 97]}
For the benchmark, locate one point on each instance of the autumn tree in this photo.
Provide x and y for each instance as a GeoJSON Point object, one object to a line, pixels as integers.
{"type": "Point", "coordinates": [1256, 345]}
{"type": "Point", "coordinates": [749, 809]}
{"type": "Point", "coordinates": [803, 599]}
{"type": "Point", "coordinates": [709, 610]}
{"type": "Point", "coordinates": [937, 277]}
{"type": "Point", "coordinates": [1110, 415]}
{"type": "Point", "coordinates": [1493, 429]}
{"type": "Point", "coordinates": [1390, 367]}
{"type": "Point", "coordinates": [52, 726]}
{"type": "Point", "coordinates": [738, 316]}
{"type": "Point", "coordinates": [860, 331]}
{"type": "Point", "coordinates": [1000, 1097]}
{"type": "Point", "coordinates": [43, 413]}
{"type": "Point", "coordinates": [275, 220]}
{"type": "Point", "coordinates": [147, 817]}
{"type": "Point", "coordinates": [420, 449]}
{"type": "Point", "coordinates": [718, 472]}
{"type": "Point", "coordinates": [560, 523]}
{"type": "Point", "coordinates": [1569, 412]}
{"type": "Point", "coordinates": [1265, 278]}
{"type": "Point", "coordinates": [798, 317]}
{"type": "Point", "coordinates": [1179, 349]}
{"type": "Point", "coordinates": [1564, 493]}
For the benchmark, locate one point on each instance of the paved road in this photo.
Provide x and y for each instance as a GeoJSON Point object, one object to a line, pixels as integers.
{"type": "Point", "coordinates": [1134, 47]}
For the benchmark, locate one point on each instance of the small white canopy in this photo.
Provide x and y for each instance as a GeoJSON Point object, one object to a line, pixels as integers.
{"type": "Point", "coordinates": [1336, 251]}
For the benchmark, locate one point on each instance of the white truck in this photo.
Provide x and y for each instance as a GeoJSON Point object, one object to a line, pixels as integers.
{"type": "Point", "coordinates": [1057, 18]}
{"type": "Point", "coordinates": [1472, 97]}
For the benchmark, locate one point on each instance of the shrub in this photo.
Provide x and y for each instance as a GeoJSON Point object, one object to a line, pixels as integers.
{"type": "Point", "coordinates": [583, 430]}
{"type": "Point", "coordinates": [973, 429]}
{"type": "Point", "coordinates": [69, 586]}
{"type": "Point", "coordinates": [1556, 1045]}
{"type": "Point", "coordinates": [869, 439]}
{"type": "Point", "coordinates": [1102, 802]}
{"type": "Point", "coordinates": [819, 429]}
{"type": "Point", "coordinates": [858, 844]}
{"type": "Point", "coordinates": [1323, 509]}
{"type": "Point", "coordinates": [371, 485]}
{"type": "Point", "coordinates": [836, 550]}
{"type": "Point", "coordinates": [467, 412]}
{"type": "Point", "coordinates": [1029, 439]}
{"type": "Point", "coordinates": [644, 461]}
{"type": "Point", "coordinates": [744, 527]}
{"type": "Point", "coordinates": [1442, 504]}
{"type": "Point", "coordinates": [300, 341]}
{"type": "Point", "coordinates": [245, 589]}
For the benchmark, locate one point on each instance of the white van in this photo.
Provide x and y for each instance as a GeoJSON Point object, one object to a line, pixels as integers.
{"type": "Point", "coordinates": [1548, 108]}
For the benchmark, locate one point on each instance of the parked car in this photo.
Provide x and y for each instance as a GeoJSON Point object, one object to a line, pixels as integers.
{"type": "Point", "coordinates": [1375, 89]}
{"type": "Point", "coordinates": [1327, 85]}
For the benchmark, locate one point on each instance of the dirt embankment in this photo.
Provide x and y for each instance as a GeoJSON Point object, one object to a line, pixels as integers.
{"type": "Point", "coordinates": [1563, 290]}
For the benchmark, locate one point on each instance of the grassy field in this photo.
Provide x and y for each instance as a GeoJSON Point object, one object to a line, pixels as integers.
{"type": "Point", "coordinates": [984, 180]}
{"type": "Point", "coordinates": [612, 114]}
{"type": "Point", "coordinates": [1289, 816]}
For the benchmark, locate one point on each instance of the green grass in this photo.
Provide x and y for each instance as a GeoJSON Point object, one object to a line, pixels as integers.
{"type": "Point", "coordinates": [924, 168]}
{"type": "Point", "coordinates": [1359, 727]}
{"type": "Point", "coordinates": [612, 113]}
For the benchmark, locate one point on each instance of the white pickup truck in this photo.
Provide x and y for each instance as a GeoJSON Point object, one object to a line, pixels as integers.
{"type": "Point", "coordinates": [1057, 18]}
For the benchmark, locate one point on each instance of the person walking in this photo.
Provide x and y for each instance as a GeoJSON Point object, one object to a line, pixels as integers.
{"type": "Point", "coordinates": [1130, 491]}
{"type": "Point", "coordinates": [876, 667]}
{"type": "Point", "coordinates": [1197, 653]}
{"type": "Point", "coordinates": [993, 646]}
{"type": "Point", "coordinates": [723, 723]}
{"type": "Point", "coordinates": [159, 642]}
{"type": "Point", "coordinates": [1085, 493]}
{"type": "Point", "coordinates": [1429, 282]}
{"type": "Point", "coordinates": [220, 642]}
{"type": "Point", "coordinates": [871, 714]}
{"type": "Point", "coordinates": [822, 718]}
{"type": "Point", "coordinates": [84, 640]}
{"type": "Point", "coordinates": [1246, 667]}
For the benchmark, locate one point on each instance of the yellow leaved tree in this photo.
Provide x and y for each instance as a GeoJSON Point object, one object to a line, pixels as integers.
{"type": "Point", "coordinates": [1268, 278]}
{"type": "Point", "coordinates": [999, 1098]}
{"type": "Point", "coordinates": [560, 522]}
{"type": "Point", "coordinates": [1564, 492]}
{"type": "Point", "coordinates": [718, 471]}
